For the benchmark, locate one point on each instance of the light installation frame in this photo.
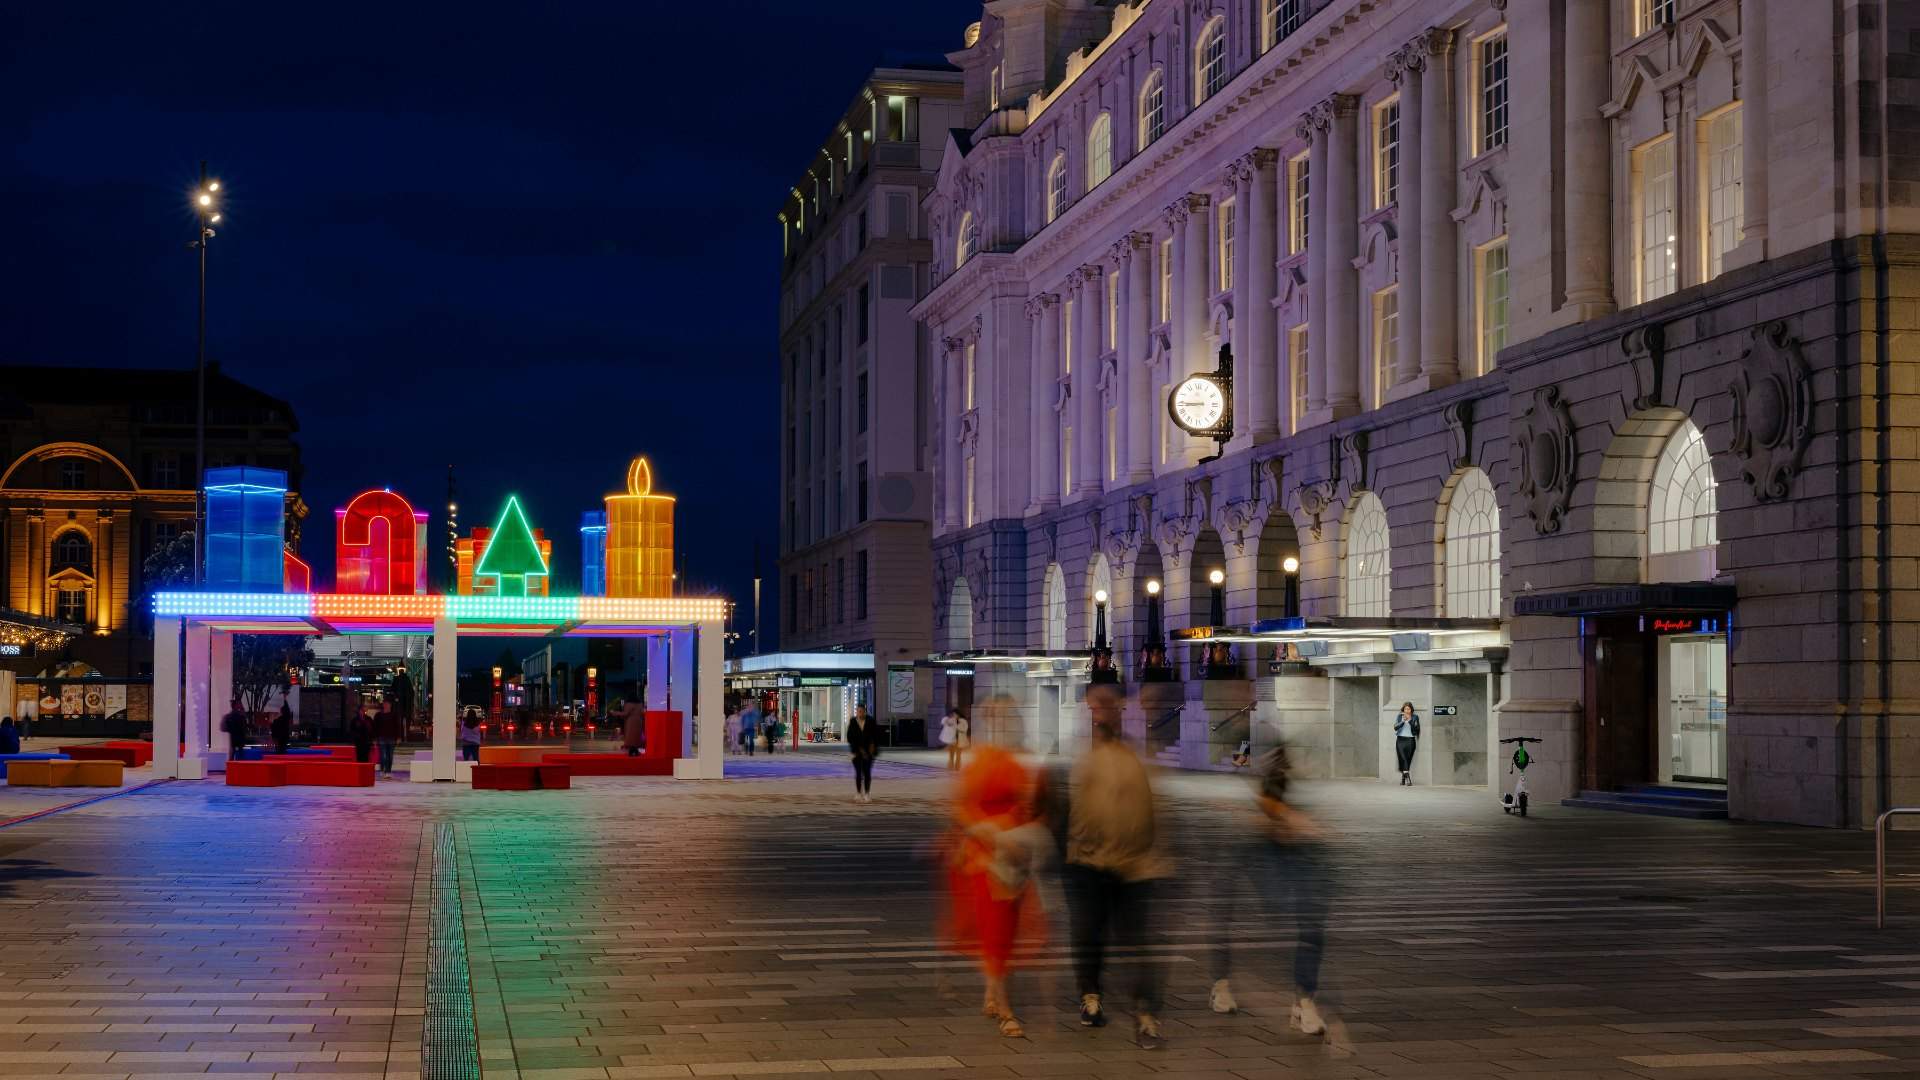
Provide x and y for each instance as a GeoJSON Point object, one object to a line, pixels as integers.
{"type": "Point", "coordinates": [400, 613]}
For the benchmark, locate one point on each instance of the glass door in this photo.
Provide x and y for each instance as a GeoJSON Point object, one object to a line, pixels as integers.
{"type": "Point", "coordinates": [1693, 684]}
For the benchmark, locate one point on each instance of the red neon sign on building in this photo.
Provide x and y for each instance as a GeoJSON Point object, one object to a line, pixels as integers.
{"type": "Point", "coordinates": [381, 539]}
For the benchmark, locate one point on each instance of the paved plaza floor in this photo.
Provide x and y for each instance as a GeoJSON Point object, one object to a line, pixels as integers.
{"type": "Point", "coordinates": [767, 925]}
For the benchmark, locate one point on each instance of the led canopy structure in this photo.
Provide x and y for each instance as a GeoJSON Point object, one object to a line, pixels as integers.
{"type": "Point", "coordinates": [513, 557]}
{"type": "Point", "coordinates": [381, 546]}
{"type": "Point", "coordinates": [246, 528]}
{"type": "Point", "coordinates": [322, 613]}
{"type": "Point", "coordinates": [639, 537]}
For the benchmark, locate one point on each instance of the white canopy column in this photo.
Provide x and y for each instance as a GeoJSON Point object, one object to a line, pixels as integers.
{"type": "Point", "coordinates": [166, 696]}
{"type": "Point", "coordinates": [199, 687]}
{"type": "Point", "coordinates": [446, 691]}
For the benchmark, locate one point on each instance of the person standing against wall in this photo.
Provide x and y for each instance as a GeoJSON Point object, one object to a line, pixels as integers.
{"type": "Point", "coordinates": [1406, 738]}
{"type": "Point", "coordinates": [863, 740]}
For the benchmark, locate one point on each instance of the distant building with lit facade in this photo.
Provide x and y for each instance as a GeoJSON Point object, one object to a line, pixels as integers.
{"type": "Point", "coordinates": [98, 476]}
{"type": "Point", "coordinates": [855, 576]}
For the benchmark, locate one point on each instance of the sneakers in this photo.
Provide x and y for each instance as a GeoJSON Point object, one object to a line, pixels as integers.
{"type": "Point", "coordinates": [1090, 1014]}
{"type": "Point", "coordinates": [1307, 1018]}
{"type": "Point", "coordinates": [1146, 1032]}
{"type": "Point", "coordinates": [1221, 999]}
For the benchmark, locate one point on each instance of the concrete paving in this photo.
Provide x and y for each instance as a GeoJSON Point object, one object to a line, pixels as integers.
{"type": "Point", "coordinates": [770, 926]}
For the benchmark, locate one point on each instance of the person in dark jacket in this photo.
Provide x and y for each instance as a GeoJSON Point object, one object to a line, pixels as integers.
{"type": "Point", "coordinates": [360, 731]}
{"type": "Point", "coordinates": [238, 727]}
{"type": "Point", "coordinates": [9, 736]}
{"type": "Point", "coordinates": [633, 727]}
{"type": "Point", "coordinates": [1406, 737]}
{"type": "Point", "coordinates": [863, 739]}
{"type": "Point", "coordinates": [386, 733]}
{"type": "Point", "coordinates": [282, 728]}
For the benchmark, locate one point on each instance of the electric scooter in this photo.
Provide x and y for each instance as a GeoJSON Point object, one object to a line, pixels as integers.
{"type": "Point", "coordinates": [1516, 800]}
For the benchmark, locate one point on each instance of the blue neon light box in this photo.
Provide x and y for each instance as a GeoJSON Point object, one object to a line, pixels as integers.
{"type": "Point", "coordinates": [246, 528]}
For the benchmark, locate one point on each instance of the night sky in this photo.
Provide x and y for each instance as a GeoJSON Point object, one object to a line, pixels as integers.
{"type": "Point", "coordinates": [528, 241]}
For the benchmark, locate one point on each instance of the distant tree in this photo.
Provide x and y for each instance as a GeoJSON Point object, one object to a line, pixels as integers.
{"type": "Point", "coordinates": [261, 663]}
{"type": "Point", "coordinates": [169, 565]}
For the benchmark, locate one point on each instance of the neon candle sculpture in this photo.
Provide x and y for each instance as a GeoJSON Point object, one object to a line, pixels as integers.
{"type": "Point", "coordinates": [639, 537]}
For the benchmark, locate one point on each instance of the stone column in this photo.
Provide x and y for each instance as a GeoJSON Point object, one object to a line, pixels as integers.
{"type": "Point", "coordinates": [1090, 314]}
{"type": "Point", "coordinates": [1342, 334]}
{"type": "Point", "coordinates": [1142, 405]}
{"type": "Point", "coordinates": [1120, 255]}
{"type": "Point", "coordinates": [1196, 254]}
{"type": "Point", "coordinates": [1259, 367]}
{"type": "Point", "coordinates": [1312, 129]}
{"type": "Point", "coordinates": [1239, 185]}
{"type": "Point", "coordinates": [1043, 386]}
{"type": "Point", "coordinates": [1588, 167]}
{"type": "Point", "coordinates": [1405, 68]}
{"type": "Point", "coordinates": [953, 402]}
{"type": "Point", "coordinates": [1439, 362]}
{"type": "Point", "coordinates": [1754, 127]}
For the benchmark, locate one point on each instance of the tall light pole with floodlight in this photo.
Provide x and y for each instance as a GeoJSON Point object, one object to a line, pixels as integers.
{"type": "Point", "coordinates": [205, 206]}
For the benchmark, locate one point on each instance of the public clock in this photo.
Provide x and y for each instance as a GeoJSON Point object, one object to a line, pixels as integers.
{"type": "Point", "coordinates": [1198, 404]}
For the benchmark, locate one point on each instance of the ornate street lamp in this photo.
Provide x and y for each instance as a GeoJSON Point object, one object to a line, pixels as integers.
{"type": "Point", "coordinates": [206, 207]}
{"type": "Point", "coordinates": [1101, 669]}
{"type": "Point", "coordinates": [1290, 568]}
{"type": "Point", "coordinates": [1153, 655]}
{"type": "Point", "coordinates": [1218, 663]}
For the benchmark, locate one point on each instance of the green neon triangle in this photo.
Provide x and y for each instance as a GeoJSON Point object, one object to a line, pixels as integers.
{"type": "Point", "coordinates": [512, 555]}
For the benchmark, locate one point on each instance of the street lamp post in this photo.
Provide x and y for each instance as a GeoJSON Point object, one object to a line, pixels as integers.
{"type": "Point", "coordinates": [1100, 666]}
{"type": "Point", "coordinates": [204, 203]}
{"type": "Point", "coordinates": [1290, 568]}
{"type": "Point", "coordinates": [1219, 655]}
{"type": "Point", "coordinates": [1153, 660]}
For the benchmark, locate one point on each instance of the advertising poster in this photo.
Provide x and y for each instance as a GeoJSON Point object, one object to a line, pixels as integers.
{"type": "Point", "coordinates": [900, 685]}
{"type": "Point", "coordinates": [50, 702]}
{"type": "Point", "coordinates": [73, 700]}
{"type": "Point", "coordinates": [114, 701]}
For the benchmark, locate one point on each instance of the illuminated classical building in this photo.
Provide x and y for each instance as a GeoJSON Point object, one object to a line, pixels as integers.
{"type": "Point", "coordinates": [98, 486]}
{"type": "Point", "coordinates": [1565, 399]}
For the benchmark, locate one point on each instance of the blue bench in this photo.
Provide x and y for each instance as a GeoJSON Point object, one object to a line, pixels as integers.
{"type": "Point", "coordinates": [259, 753]}
{"type": "Point", "coordinates": [31, 756]}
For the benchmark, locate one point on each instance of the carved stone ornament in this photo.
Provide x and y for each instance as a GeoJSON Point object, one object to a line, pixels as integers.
{"type": "Point", "coordinates": [1051, 530]}
{"type": "Point", "coordinates": [1544, 457]}
{"type": "Point", "coordinates": [1236, 517]}
{"type": "Point", "coordinates": [1266, 481]}
{"type": "Point", "coordinates": [969, 437]}
{"type": "Point", "coordinates": [1314, 497]}
{"type": "Point", "coordinates": [1172, 534]}
{"type": "Point", "coordinates": [1353, 460]}
{"type": "Point", "coordinates": [1120, 548]}
{"type": "Point", "coordinates": [1772, 411]}
{"type": "Point", "coordinates": [1646, 350]}
{"type": "Point", "coordinates": [979, 578]}
{"type": "Point", "coordinates": [1459, 418]}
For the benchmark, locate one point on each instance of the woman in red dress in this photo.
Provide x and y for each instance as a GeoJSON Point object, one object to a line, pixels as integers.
{"type": "Point", "coordinates": [989, 871]}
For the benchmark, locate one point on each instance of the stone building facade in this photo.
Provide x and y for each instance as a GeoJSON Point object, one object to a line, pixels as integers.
{"type": "Point", "coordinates": [1569, 340]}
{"type": "Point", "coordinates": [855, 482]}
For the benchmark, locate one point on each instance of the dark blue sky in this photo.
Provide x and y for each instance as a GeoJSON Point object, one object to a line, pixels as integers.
{"type": "Point", "coordinates": [526, 240]}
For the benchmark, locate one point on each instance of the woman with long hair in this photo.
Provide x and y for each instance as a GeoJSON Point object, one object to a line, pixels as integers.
{"type": "Point", "coordinates": [992, 905]}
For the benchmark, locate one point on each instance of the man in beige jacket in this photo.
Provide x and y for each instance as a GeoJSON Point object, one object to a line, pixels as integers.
{"type": "Point", "coordinates": [1114, 857]}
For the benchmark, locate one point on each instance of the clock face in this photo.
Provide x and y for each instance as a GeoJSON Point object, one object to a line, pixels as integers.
{"type": "Point", "coordinates": [1198, 404]}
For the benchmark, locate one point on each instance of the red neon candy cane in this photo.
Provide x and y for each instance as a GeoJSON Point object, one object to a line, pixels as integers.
{"type": "Point", "coordinates": [389, 570]}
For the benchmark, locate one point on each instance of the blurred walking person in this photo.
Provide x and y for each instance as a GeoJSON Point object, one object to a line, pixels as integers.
{"type": "Point", "coordinates": [386, 733]}
{"type": "Point", "coordinates": [863, 740]}
{"type": "Point", "coordinates": [1114, 860]}
{"type": "Point", "coordinates": [281, 728]}
{"type": "Point", "coordinates": [749, 727]}
{"type": "Point", "coordinates": [633, 726]}
{"type": "Point", "coordinates": [360, 732]}
{"type": "Point", "coordinates": [239, 729]}
{"type": "Point", "coordinates": [990, 873]}
{"type": "Point", "coordinates": [469, 736]}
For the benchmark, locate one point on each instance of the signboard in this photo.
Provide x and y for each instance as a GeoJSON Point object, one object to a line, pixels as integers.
{"type": "Point", "coordinates": [1445, 710]}
{"type": "Point", "coordinates": [787, 682]}
{"type": "Point", "coordinates": [114, 701]}
{"type": "Point", "coordinates": [9, 650]}
{"type": "Point", "coordinates": [900, 690]}
{"type": "Point", "coordinates": [1685, 624]}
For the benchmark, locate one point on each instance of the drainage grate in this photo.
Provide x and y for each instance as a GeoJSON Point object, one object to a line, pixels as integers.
{"type": "Point", "coordinates": [449, 1049]}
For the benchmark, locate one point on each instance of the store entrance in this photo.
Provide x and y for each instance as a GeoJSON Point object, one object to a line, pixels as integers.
{"type": "Point", "coordinates": [1656, 699]}
{"type": "Point", "coordinates": [1693, 709]}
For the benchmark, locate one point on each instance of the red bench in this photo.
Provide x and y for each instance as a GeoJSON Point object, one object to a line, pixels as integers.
{"type": "Point", "coordinates": [256, 773]}
{"type": "Point", "coordinates": [321, 772]}
{"type": "Point", "coordinates": [612, 764]}
{"type": "Point", "coordinates": [522, 776]}
{"type": "Point", "coordinates": [125, 755]}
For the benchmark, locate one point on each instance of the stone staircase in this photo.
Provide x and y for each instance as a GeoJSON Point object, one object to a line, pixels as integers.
{"type": "Point", "coordinates": [1664, 800]}
{"type": "Point", "coordinates": [1167, 757]}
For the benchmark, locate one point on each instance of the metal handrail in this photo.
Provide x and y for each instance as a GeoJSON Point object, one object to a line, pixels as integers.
{"type": "Point", "coordinates": [1231, 717]}
{"type": "Point", "coordinates": [1880, 863]}
{"type": "Point", "coordinates": [1165, 718]}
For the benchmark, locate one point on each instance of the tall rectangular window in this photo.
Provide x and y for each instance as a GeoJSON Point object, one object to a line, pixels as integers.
{"type": "Point", "coordinates": [1650, 15]}
{"type": "Point", "coordinates": [1298, 345]}
{"type": "Point", "coordinates": [993, 88]}
{"type": "Point", "coordinates": [1066, 460]}
{"type": "Point", "coordinates": [839, 590]}
{"type": "Point", "coordinates": [863, 316]}
{"type": "Point", "coordinates": [861, 509]}
{"type": "Point", "coordinates": [1493, 292]}
{"type": "Point", "coordinates": [972, 375]}
{"type": "Point", "coordinates": [1720, 187]}
{"type": "Point", "coordinates": [1655, 247]}
{"type": "Point", "coordinates": [1386, 341]}
{"type": "Point", "coordinates": [1066, 338]}
{"type": "Point", "coordinates": [1280, 19]}
{"type": "Point", "coordinates": [1166, 280]}
{"type": "Point", "coordinates": [860, 584]}
{"type": "Point", "coordinates": [1223, 270]}
{"type": "Point", "coordinates": [793, 602]}
{"type": "Point", "coordinates": [1492, 79]}
{"type": "Point", "coordinates": [1386, 153]}
{"type": "Point", "coordinates": [1298, 203]}
{"type": "Point", "coordinates": [971, 492]}
{"type": "Point", "coordinates": [1113, 311]}
{"type": "Point", "coordinates": [1113, 445]}
{"type": "Point", "coordinates": [860, 402]}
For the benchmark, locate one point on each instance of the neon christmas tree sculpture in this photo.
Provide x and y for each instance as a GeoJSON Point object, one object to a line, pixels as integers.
{"type": "Point", "coordinates": [512, 555]}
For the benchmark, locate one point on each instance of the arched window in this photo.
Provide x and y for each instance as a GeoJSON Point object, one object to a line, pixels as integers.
{"type": "Point", "coordinates": [1210, 60]}
{"type": "Point", "coordinates": [1472, 546]}
{"type": "Point", "coordinates": [1054, 633]}
{"type": "Point", "coordinates": [1153, 107]}
{"type": "Point", "coordinates": [1369, 576]}
{"type": "Point", "coordinates": [1057, 185]}
{"type": "Point", "coordinates": [964, 242]}
{"type": "Point", "coordinates": [72, 549]}
{"type": "Point", "coordinates": [1681, 507]}
{"type": "Point", "coordinates": [1099, 150]}
{"type": "Point", "coordinates": [960, 617]}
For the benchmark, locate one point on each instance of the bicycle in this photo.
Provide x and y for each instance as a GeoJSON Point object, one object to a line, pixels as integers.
{"type": "Point", "coordinates": [1516, 800]}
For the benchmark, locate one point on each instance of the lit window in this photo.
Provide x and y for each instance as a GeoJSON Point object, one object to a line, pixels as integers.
{"type": "Point", "coordinates": [1113, 444]}
{"type": "Point", "coordinates": [1279, 19]}
{"type": "Point", "coordinates": [1656, 254]}
{"type": "Point", "coordinates": [1472, 547]}
{"type": "Point", "coordinates": [1066, 338]}
{"type": "Point", "coordinates": [1113, 311]}
{"type": "Point", "coordinates": [1153, 108]}
{"type": "Point", "coordinates": [1210, 61]}
{"type": "Point", "coordinates": [993, 88]}
{"type": "Point", "coordinates": [1053, 635]}
{"type": "Point", "coordinates": [1493, 92]}
{"type": "Point", "coordinates": [72, 606]}
{"type": "Point", "coordinates": [1368, 571]}
{"type": "Point", "coordinates": [1066, 459]}
{"type": "Point", "coordinates": [1652, 14]}
{"type": "Point", "coordinates": [1223, 271]}
{"type": "Point", "coordinates": [1057, 185]}
{"type": "Point", "coordinates": [970, 493]}
{"type": "Point", "coordinates": [972, 373]}
{"type": "Point", "coordinates": [1100, 150]}
{"type": "Point", "coordinates": [72, 550]}
{"type": "Point", "coordinates": [1681, 507]}
{"type": "Point", "coordinates": [1721, 187]}
{"type": "Point", "coordinates": [1298, 344]}
{"type": "Point", "coordinates": [1386, 153]}
{"type": "Point", "coordinates": [1166, 280]}
{"type": "Point", "coordinates": [1493, 291]}
{"type": "Point", "coordinates": [965, 241]}
{"type": "Point", "coordinates": [1386, 341]}
{"type": "Point", "coordinates": [1297, 198]}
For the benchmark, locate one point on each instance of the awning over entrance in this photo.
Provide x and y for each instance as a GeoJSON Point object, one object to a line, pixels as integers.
{"type": "Point", "coordinates": [1038, 662]}
{"type": "Point", "coordinates": [474, 616]}
{"type": "Point", "coordinates": [1335, 630]}
{"type": "Point", "coordinates": [787, 663]}
{"type": "Point", "coordinates": [1700, 596]}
